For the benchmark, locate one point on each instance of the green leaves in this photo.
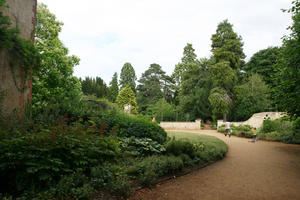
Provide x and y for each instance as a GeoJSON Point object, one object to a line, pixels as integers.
{"type": "Point", "coordinates": [127, 97]}
{"type": "Point", "coordinates": [127, 77]}
{"type": "Point", "coordinates": [53, 82]}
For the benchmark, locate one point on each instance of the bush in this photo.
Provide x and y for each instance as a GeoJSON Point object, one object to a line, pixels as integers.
{"type": "Point", "coordinates": [127, 126]}
{"type": "Point", "coordinates": [240, 131]}
{"type": "Point", "coordinates": [141, 146]}
{"type": "Point", "coordinates": [111, 177]}
{"type": "Point", "coordinates": [33, 162]}
{"type": "Point", "coordinates": [182, 146]}
{"type": "Point", "coordinates": [149, 169]}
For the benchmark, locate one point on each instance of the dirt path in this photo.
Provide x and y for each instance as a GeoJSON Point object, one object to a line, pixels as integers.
{"type": "Point", "coordinates": [261, 170]}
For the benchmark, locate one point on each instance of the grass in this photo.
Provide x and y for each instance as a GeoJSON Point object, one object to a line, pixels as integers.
{"type": "Point", "coordinates": [209, 141]}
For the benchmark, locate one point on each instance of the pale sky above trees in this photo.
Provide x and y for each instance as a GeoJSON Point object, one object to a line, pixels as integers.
{"type": "Point", "coordinates": [107, 33]}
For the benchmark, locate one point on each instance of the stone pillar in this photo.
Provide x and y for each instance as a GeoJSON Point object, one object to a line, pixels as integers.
{"type": "Point", "coordinates": [16, 87]}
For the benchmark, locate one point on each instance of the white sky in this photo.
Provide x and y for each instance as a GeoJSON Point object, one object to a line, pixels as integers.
{"type": "Point", "coordinates": [105, 34]}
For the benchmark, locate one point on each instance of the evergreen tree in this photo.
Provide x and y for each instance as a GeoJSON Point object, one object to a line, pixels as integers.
{"type": "Point", "coordinates": [150, 88]}
{"type": "Point", "coordinates": [228, 55]}
{"type": "Point", "coordinates": [189, 57]}
{"type": "Point", "coordinates": [127, 96]}
{"type": "Point", "coordinates": [127, 77]}
{"type": "Point", "coordinates": [94, 86]}
{"type": "Point", "coordinates": [113, 87]}
{"type": "Point", "coordinates": [227, 45]}
{"type": "Point", "coordinates": [195, 88]}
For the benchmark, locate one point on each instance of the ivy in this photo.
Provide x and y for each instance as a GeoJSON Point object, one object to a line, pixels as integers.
{"type": "Point", "coordinates": [21, 52]}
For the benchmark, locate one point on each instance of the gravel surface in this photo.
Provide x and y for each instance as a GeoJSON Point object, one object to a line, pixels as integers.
{"type": "Point", "coordinates": [260, 170]}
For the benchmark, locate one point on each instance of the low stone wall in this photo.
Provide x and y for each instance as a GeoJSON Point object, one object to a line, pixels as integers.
{"type": "Point", "coordinates": [181, 125]}
{"type": "Point", "coordinates": [256, 120]}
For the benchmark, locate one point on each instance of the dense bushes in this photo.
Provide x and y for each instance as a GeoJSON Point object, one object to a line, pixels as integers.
{"type": "Point", "coordinates": [38, 160]}
{"type": "Point", "coordinates": [127, 126]}
{"type": "Point", "coordinates": [281, 130]}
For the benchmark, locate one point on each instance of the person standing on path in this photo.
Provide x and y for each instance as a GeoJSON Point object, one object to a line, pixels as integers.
{"type": "Point", "coordinates": [227, 124]}
{"type": "Point", "coordinates": [254, 134]}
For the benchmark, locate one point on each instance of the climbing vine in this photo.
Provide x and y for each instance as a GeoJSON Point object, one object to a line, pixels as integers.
{"type": "Point", "coordinates": [21, 52]}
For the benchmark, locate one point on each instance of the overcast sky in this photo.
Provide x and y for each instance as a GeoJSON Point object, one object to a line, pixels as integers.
{"type": "Point", "coordinates": [105, 34]}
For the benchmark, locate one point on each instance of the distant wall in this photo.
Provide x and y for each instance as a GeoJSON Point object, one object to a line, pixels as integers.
{"type": "Point", "coordinates": [181, 125]}
{"type": "Point", "coordinates": [256, 120]}
{"type": "Point", "coordinates": [23, 14]}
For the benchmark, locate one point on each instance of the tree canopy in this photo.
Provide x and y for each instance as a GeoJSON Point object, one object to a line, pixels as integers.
{"type": "Point", "coordinates": [113, 87]}
{"type": "Point", "coordinates": [54, 81]}
{"type": "Point", "coordinates": [128, 77]}
{"type": "Point", "coordinates": [127, 96]}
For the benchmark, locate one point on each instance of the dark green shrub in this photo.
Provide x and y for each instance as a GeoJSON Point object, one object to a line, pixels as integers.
{"type": "Point", "coordinates": [149, 169]}
{"type": "Point", "coordinates": [111, 177]}
{"type": "Point", "coordinates": [33, 162]}
{"type": "Point", "coordinates": [128, 126]}
{"type": "Point", "coordinates": [178, 147]}
{"type": "Point", "coordinates": [141, 146]}
{"type": "Point", "coordinates": [269, 126]}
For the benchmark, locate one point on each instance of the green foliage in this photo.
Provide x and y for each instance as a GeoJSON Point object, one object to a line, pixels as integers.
{"type": "Point", "coordinates": [113, 87]}
{"type": "Point", "coordinates": [280, 130]}
{"type": "Point", "coordinates": [94, 86]}
{"type": "Point", "coordinates": [127, 96]}
{"type": "Point", "coordinates": [220, 101]}
{"type": "Point", "coordinates": [151, 85]}
{"type": "Point", "coordinates": [183, 146]}
{"type": "Point", "coordinates": [36, 161]}
{"type": "Point", "coordinates": [151, 168]}
{"type": "Point", "coordinates": [127, 126]}
{"type": "Point", "coordinates": [162, 110]}
{"type": "Point", "coordinates": [264, 63]}
{"type": "Point", "coordinates": [112, 178]}
{"type": "Point", "coordinates": [54, 82]}
{"type": "Point", "coordinates": [227, 45]}
{"type": "Point", "coordinates": [223, 75]}
{"type": "Point", "coordinates": [195, 88]}
{"type": "Point", "coordinates": [251, 97]}
{"type": "Point", "coordinates": [189, 57]}
{"type": "Point", "coordinates": [140, 146]}
{"type": "Point", "coordinates": [127, 77]}
{"type": "Point", "coordinates": [287, 90]}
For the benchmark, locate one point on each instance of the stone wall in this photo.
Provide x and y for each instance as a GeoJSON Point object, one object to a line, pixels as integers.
{"type": "Point", "coordinates": [22, 14]}
{"type": "Point", "coordinates": [256, 120]}
{"type": "Point", "coordinates": [181, 125]}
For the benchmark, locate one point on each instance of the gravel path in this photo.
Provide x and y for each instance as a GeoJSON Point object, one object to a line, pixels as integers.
{"type": "Point", "coordinates": [261, 170]}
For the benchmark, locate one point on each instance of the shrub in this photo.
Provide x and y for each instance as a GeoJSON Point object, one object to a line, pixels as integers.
{"type": "Point", "coordinates": [37, 161]}
{"type": "Point", "coordinates": [182, 146]}
{"type": "Point", "coordinates": [149, 169]}
{"type": "Point", "coordinates": [269, 126]}
{"type": "Point", "coordinates": [141, 146]}
{"type": "Point", "coordinates": [111, 177]}
{"type": "Point", "coordinates": [128, 126]}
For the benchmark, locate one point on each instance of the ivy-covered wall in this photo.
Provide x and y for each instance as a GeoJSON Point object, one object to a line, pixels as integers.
{"type": "Point", "coordinates": [14, 81]}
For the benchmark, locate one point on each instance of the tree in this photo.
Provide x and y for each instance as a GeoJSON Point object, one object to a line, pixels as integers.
{"type": "Point", "coordinates": [127, 96]}
{"type": "Point", "coordinates": [163, 111]}
{"type": "Point", "coordinates": [223, 75]}
{"type": "Point", "coordinates": [251, 97]}
{"type": "Point", "coordinates": [227, 45]}
{"type": "Point", "coordinates": [287, 90]}
{"type": "Point", "coordinates": [227, 49]}
{"type": "Point", "coordinates": [150, 88]}
{"type": "Point", "coordinates": [54, 82]}
{"type": "Point", "coordinates": [113, 87]}
{"type": "Point", "coordinates": [264, 62]}
{"type": "Point", "coordinates": [127, 77]}
{"type": "Point", "coordinates": [195, 89]}
{"type": "Point", "coordinates": [189, 57]}
{"type": "Point", "coordinates": [94, 86]}
{"type": "Point", "coordinates": [220, 101]}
